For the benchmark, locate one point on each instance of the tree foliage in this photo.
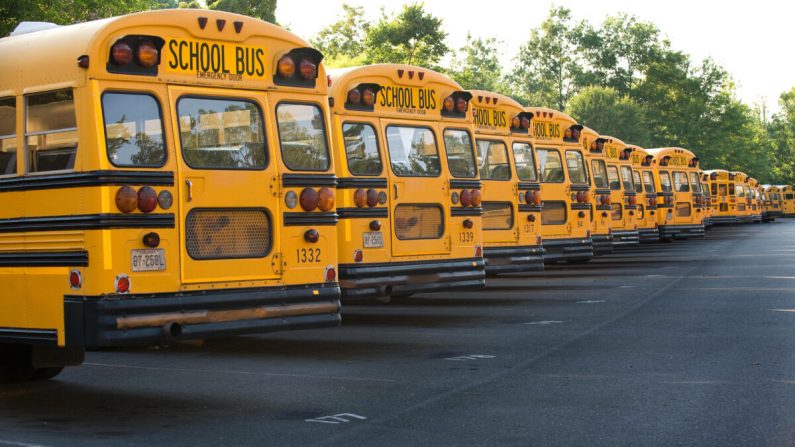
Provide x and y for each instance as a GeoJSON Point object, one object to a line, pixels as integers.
{"type": "Point", "coordinates": [477, 65]}
{"type": "Point", "coordinates": [412, 37]}
{"type": "Point", "coordinates": [603, 108]}
{"type": "Point", "coordinates": [261, 9]}
{"type": "Point", "coordinates": [344, 39]}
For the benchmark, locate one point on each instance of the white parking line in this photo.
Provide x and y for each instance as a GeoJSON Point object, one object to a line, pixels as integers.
{"type": "Point", "coordinates": [4, 442]}
{"type": "Point", "coordinates": [544, 322]}
{"type": "Point", "coordinates": [591, 301]}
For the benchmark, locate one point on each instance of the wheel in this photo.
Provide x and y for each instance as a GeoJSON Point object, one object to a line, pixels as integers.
{"type": "Point", "coordinates": [15, 363]}
{"type": "Point", "coordinates": [46, 373]}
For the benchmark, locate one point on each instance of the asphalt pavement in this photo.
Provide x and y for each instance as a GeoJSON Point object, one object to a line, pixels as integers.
{"type": "Point", "coordinates": [684, 343]}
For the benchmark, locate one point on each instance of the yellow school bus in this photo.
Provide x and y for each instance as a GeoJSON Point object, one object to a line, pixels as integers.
{"type": "Point", "coordinates": [166, 176]}
{"type": "Point", "coordinates": [565, 187]}
{"type": "Point", "coordinates": [788, 200]}
{"type": "Point", "coordinates": [678, 214]}
{"type": "Point", "coordinates": [409, 194]}
{"type": "Point", "coordinates": [742, 191]}
{"type": "Point", "coordinates": [724, 201]}
{"type": "Point", "coordinates": [511, 192]}
{"type": "Point", "coordinates": [756, 199]}
{"type": "Point", "coordinates": [624, 202]}
{"type": "Point", "coordinates": [646, 190]}
{"type": "Point", "coordinates": [707, 194]}
{"type": "Point", "coordinates": [601, 209]}
{"type": "Point", "coordinates": [774, 201]}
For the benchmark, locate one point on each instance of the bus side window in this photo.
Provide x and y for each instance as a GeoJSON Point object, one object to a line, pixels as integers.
{"type": "Point", "coordinates": [714, 188]}
{"type": "Point", "coordinates": [8, 137]}
{"type": "Point", "coordinates": [51, 131]}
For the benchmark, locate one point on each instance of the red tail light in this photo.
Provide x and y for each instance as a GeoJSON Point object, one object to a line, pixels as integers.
{"type": "Point", "coordinates": [368, 97]}
{"type": "Point", "coordinates": [330, 274]}
{"type": "Point", "coordinates": [147, 199]}
{"type": "Point", "coordinates": [448, 104]}
{"type": "Point", "coordinates": [633, 200]}
{"type": "Point", "coordinates": [122, 283]}
{"type": "Point", "coordinates": [372, 197]}
{"type": "Point", "coordinates": [516, 122]}
{"type": "Point", "coordinates": [354, 97]}
{"type": "Point", "coordinates": [536, 197]}
{"type": "Point", "coordinates": [75, 279]}
{"type": "Point", "coordinates": [475, 197]}
{"type": "Point", "coordinates": [478, 251]}
{"type": "Point", "coordinates": [605, 199]}
{"type": "Point", "coordinates": [461, 105]}
{"type": "Point", "coordinates": [586, 196]}
{"type": "Point", "coordinates": [308, 199]}
{"type": "Point", "coordinates": [360, 198]}
{"type": "Point", "coordinates": [286, 67]}
{"type": "Point", "coordinates": [325, 199]}
{"type": "Point", "coordinates": [358, 255]}
{"type": "Point", "coordinates": [307, 69]}
{"type": "Point", "coordinates": [525, 123]}
{"type": "Point", "coordinates": [121, 53]}
{"type": "Point", "coordinates": [466, 197]}
{"type": "Point", "coordinates": [147, 54]}
{"type": "Point", "coordinates": [126, 199]}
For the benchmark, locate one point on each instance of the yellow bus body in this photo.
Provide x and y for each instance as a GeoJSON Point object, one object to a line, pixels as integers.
{"type": "Point", "coordinates": [624, 198]}
{"type": "Point", "coordinates": [722, 192]}
{"type": "Point", "coordinates": [601, 232]}
{"type": "Point", "coordinates": [745, 204]}
{"type": "Point", "coordinates": [645, 187]}
{"type": "Point", "coordinates": [757, 207]}
{"type": "Point", "coordinates": [565, 187]}
{"type": "Point", "coordinates": [788, 200]}
{"type": "Point", "coordinates": [420, 163]}
{"type": "Point", "coordinates": [228, 255]}
{"type": "Point", "coordinates": [707, 194]}
{"type": "Point", "coordinates": [511, 188]}
{"type": "Point", "coordinates": [678, 213]}
{"type": "Point", "coordinates": [773, 204]}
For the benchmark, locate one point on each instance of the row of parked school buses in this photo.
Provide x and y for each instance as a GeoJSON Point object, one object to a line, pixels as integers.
{"type": "Point", "coordinates": [185, 174]}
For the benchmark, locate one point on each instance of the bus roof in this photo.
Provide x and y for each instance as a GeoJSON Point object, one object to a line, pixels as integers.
{"type": "Point", "coordinates": [553, 125]}
{"type": "Point", "coordinates": [48, 58]}
{"type": "Point", "coordinates": [741, 175]}
{"type": "Point", "coordinates": [494, 112]}
{"type": "Point", "coordinates": [639, 155]}
{"type": "Point", "coordinates": [589, 137]}
{"type": "Point", "coordinates": [403, 91]}
{"type": "Point", "coordinates": [676, 156]}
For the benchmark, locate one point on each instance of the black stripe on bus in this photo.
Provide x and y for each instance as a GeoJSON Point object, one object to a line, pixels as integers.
{"type": "Point", "coordinates": [604, 207]}
{"type": "Point", "coordinates": [529, 186]}
{"type": "Point", "coordinates": [465, 184]}
{"type": "Point", "coordinates": [302, 219]}
{"type": "Point", "coordinates": [580, 206]}
{"type": "Point", "coordinates": [28, 336]}
{"type": "Point", "coordinates": [462, 211]}
{"type": "Point", "coordinates": [530, 208]}
{"type": "Point", "coordinates": [309, 180]}
{"type": "Point", "coordinates": [352, 183]}
{"type": "Point", "coordinates": [86, 222]}
{"type": "Point", "coordinates": [84, 179]}
{"type": "Point", "coordinates": [602, 191]}
{"type": "Point", "coordinates": [352, 213]}
{"type": "Point", "coordinates": [580, 188]}
{"type": "Point", "coordinates": [44, 259]}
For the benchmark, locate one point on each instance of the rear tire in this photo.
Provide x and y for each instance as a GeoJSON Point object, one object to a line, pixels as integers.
{"type": "Point", "coordinates": [15, 365]}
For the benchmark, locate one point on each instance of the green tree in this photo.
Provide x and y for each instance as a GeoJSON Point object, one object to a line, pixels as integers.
{"type": "Point", "coordinates": [547, 66]}
{"type": "Point", "coordinates": [477, 66]}
{"type": "Point", "coordinates": [605, 110]}
{"type": "Point", "coordinates": [261, 9]}
{"type": "Point", "coordinates": [412, 37]}
{"type": "Point", "coordinates": [342, 42]}
{"type": "Point", "coordinates": [12, 12]}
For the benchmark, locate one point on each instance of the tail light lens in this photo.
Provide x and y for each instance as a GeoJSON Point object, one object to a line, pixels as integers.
{"type": "Point", "coordinates": [466, 197]}
{"type": "Point", "coordinates": [455, 197]}
{"type": "Point", "coordinates": [165, 199]}
{"type": "Point", "coordinates": [147, 54]}
{"type": "Point", "coordinates": [448, 105]}
{"type": "Point", "coordinates": [475, 197]}
{"type": "Point", "coordinates": [478, 251]}
{"type": "Point", "coordinates": [308, 199]}
{"type": "Point", "coordinates": [358, 255]}
{"type": "Point", "coordinates": [461, 105]}
{"type": "Point", "coordinates": [286, 67]}
{"type": "Point", "coordinates": [516, 122]}
{"type": "Point", "coordinates": [372, 197]}
{"type": "Point", "coordinates": [126, 199]}
{"type": "Point", "coordinates": [325, 199]}
{"type": "Point", "coordinates": [75, 279]}
{"type": "Point", "coordinates": [525, 123]}
{"type": "Point", "coordinates": [121, 53]}
{"type": "Point", "coordinates": [312, 236]}
{"type": "Point", "coordinates": [382, 197]}
{"type": "Point", "coordinates": [147, 199]}
{"type": "Point", "coordinates": [354, 97]}
{"type": "Point", "coordinates": [307, 69]}
{"type": "Point", "coordinates": [633, 200]}
{"type": "Point", "coordinates": [360, 198]}
{"type": "Point", "coordinates": [122, 283]}
{"type": "Point", "coordinates": [375, 225]}
{"type": "Point", "coordinates": [468, 224]}
{"type": "Point", "coordinates": [330, 274]}
{"type": "Point", "coordinates": [291, 199]}
{"type": "Point", "coordinates": [368, 97]}
{"type": "Point", "coordinates": [605, 199]}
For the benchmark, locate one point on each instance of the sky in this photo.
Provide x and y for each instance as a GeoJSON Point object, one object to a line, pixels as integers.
{"type": "Point", "coordinates": [750, 40]}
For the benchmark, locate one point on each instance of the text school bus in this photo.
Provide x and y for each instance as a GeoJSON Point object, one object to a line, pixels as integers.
{"type": "Point", "coordinates": [724, 202]}
{"type": "Point", "coordinates": [409, 194]}
{"type": "Point", "coordinates": [511, 190]}
{"type": "Point", "coordinates": [643, 177]}
{"type": "Point", "coordinates": [601, 199]}
{"type": "Point", "coordinates": [679, 207]}
{"type": "Point", "coordinates": [565, 187]}
{"type": "Point", "coordinates": [153, 167]}
{"type": "Point", "coordinates": [745, 203]}
{"type": "Point", "coordinates": [624, 198]}
{"type": "Point", "coordinates": [788, 200]}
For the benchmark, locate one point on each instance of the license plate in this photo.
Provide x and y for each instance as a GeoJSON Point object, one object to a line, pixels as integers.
{"type": "Point", "coordinates": [373, 239]}
{"type": "Point", "coordinates": [148, 260]}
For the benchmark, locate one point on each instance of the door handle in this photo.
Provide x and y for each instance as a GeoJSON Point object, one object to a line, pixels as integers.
{"type": "Point", "coordinates": [189, 184]}
{"type": "Point", "coordinates": [395, 187]}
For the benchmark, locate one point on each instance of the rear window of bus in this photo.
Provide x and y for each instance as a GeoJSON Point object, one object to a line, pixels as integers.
{"type": "Point", "coordinates": [8, 137]}
{"type": "Point", "coordinates": [694, 181]}
{"type": "Point", "coordinates": [626, 178]}
{"type": "Point", "coordinates": [551, 166]}
{"type": "Point", "coordinates": [133, 130]}
{"type": "Point", "coordinates": [680, 182]}
{"type": "Point", "coordinates": [493, 156]}
{"type": "Point", "coordinates": [525, 163]}
{"type": "Point", "coordinates": [665, 182]}
{"type": "Point", "coordinates": [302, 135]}
{"type": "Point", "coordinates": [361, 149]}
{"type": "Point", "coordinates": [636, 180]}
{"type": "Point", "coordinates": [612, 177]}
{"type": "Point", "coordinates": [460, 156]}
{"type": "Point", "coordinates": [648, 182]}
{"type": "Point", "coordinates": [412, 151]}
{"type": "Point", "coordinates": [576, 167]}
{"type": "Point", "coordinates": [599, 170]}
{"type": "Point", "coordinates": [221, 133]}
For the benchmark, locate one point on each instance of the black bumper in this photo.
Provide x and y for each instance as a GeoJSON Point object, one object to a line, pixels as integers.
{"type": "Point", "coordinates": [362, 281]}
{"type": "Point", "coordinates": [567, 250]}
{"type": "Point", "coordinates": [724, 220]}
{"type": "Point", "coordinates": [648, 235]}
{"type": "Point", "coordinates": [513, 259]}
{"type": "Point", "coordinates": [602, 244]}
{"type": "Point", "coordinates": [708, 222]}
{"type": "Point", "coordinates": [625, 238]}
{"type": "Point", "coordinates": [126, 320]}
{"type": "Point", "coordinates": [681, 231]}
{"type": "Point", "coordinates": [783, 215]}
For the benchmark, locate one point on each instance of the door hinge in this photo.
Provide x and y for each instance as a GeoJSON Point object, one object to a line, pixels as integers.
{"type": "Point", "coordinates": [448, 242]}
{"type": "Point", "coordinates": [276, 263]}
{"type": "Point", "coordinates": [274, 186]}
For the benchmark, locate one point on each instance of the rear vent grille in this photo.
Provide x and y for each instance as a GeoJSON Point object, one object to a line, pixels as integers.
{"type": "Point", "coordinates": [553, 213]}
{"type": "Point", "coordinates": [227, 233]}
{"type": "Point", "coordinates": [418, 222]}
{"type": "Point", "coordinates": [497, 216]}
{"type": "Point", "coordinates": [683, 209]}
